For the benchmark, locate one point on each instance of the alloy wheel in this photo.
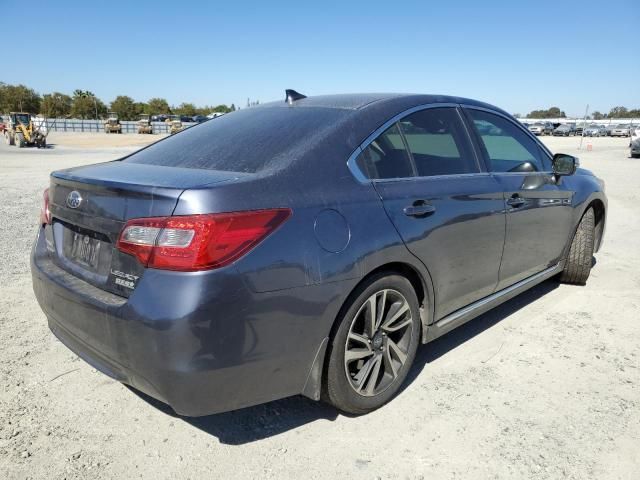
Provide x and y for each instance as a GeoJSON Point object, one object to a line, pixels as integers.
{"type": "Point", "coordinates": [378, 342]}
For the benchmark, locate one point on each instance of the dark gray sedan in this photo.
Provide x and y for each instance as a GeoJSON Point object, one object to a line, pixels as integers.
{"type": "Point", "coordinates": [306, 246]}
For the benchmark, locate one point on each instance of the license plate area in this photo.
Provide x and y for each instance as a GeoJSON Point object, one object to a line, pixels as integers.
{"type": "Point", "coordinates": [85, 251]}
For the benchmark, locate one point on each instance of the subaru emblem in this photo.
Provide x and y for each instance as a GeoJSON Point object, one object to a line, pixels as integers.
{"type": "Point", "coordinates": [74, 199]}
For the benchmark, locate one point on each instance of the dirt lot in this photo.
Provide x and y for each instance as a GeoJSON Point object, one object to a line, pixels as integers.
{"type": "Point", "coordinates": [545, 386]}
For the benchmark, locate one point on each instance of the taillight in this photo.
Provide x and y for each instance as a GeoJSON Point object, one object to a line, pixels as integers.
{"type": "Point", "coordinates": [45, 214]}
{"type": "Point", "coordinates": [198, 242]}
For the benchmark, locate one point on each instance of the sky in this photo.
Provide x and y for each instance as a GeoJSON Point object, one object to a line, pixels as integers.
{"type": "Point", "coordinates": [517, 55]}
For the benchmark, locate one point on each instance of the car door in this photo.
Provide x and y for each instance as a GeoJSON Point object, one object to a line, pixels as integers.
{"type": "Point", "coordinates": [448, 211]}
{"type": "Point", "coordinates": [539, 213]}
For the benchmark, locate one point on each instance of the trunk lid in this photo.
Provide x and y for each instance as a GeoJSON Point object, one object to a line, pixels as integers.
{"type": "Point", "coordinates": [90, 205]}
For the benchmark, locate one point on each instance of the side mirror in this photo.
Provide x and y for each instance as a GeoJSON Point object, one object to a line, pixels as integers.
{"type": "Point", "coordinates": [564, 164]}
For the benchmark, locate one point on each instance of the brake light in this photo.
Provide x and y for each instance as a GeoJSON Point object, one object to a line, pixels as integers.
{"type": "Point", "coordinates": [198, 242]}
{"type": "Point", "coordinates": [45, 214]}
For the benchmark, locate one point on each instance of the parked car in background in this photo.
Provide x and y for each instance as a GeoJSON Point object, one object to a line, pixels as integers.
{"type": "Point", "coordinates": [537, 129]}
{"type": "Point", "coordinates": [634, 143]}
{"type": "Point", "coordinates": [548, 128]}
{"type": "Point", "coordinates": [579, 129]}
{"type": "Point", "coordinates": [620, 131]}
{"type": "Point", "coordinates": [595, 131]}
{"type": "Point", "coordinates": [306, 247]}
{"type": "Point", "coordinates": [565, 130]}
{"type": "Point", "coordinates": [199, 118]}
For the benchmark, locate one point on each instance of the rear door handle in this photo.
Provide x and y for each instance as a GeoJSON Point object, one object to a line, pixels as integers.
{"type": "Point", "coordinates": [516, 201]}
{"type": "Point", "coordinates": [420, 208]}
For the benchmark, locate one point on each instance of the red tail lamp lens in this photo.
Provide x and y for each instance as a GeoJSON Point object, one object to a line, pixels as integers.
{"type": "Point", "coordinates": [198, 242]}
{"type": "Point", "coordinates": [45, 214]}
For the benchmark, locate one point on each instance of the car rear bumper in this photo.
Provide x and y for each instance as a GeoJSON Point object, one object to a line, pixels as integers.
{"type": "Point", "coordinates": [205, 347]}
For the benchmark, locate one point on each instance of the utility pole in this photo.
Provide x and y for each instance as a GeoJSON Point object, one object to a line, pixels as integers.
{"type": "Point", "coordinates": [584, 124]}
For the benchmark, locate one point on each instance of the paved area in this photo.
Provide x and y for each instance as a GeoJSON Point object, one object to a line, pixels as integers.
{"type": "Point", "coordinates": [546, 386]}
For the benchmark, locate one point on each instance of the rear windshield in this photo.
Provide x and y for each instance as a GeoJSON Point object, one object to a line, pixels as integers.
{"type": "Point", "coordinates": [249, 141]}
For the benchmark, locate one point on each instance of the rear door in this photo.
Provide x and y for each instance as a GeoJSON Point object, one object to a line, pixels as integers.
{"type": "Point", "coordinates": [539, 213]}
{"type": "Point", "coordinates": [447, 210]}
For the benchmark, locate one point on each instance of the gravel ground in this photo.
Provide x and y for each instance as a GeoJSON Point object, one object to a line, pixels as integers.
{"type": "Point", "coordinates": [545, 386]}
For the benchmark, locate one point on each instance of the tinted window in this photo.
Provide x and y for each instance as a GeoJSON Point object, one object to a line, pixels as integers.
{"type": "Point", "coordinates": [438, 142]}
{"type": "Point", "coordinates": [386, 157]}
{"type": "Point", "coordinates": [250, 140]}
{"type": "Point", "coordinates": [507, 147]}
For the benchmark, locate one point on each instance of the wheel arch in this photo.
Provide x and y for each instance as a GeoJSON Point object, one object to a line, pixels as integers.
{"type": "Point", "coordinates": [420, 280]}
{"type": "Point", "coordinates": [600, 211]}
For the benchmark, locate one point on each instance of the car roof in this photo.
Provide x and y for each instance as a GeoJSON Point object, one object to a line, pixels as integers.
{"type": "Point", "coordinates": [362, 101]}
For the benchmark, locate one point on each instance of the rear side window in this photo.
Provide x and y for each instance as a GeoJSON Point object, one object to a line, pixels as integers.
{"type": "Point", "coordinates": [386, 157]}
{"type": "Point", "coordinates": [249, 141]}
{"type": "Point", "coordinates": [438, 142]}
{"type": "Point", "coordinates": [507, 147]}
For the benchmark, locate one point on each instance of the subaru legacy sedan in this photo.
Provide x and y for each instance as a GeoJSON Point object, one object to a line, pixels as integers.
{"type": "Point", "coordinates": [306, 246]}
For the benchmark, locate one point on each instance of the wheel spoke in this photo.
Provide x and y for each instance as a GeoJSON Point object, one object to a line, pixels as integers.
{"type": "Point", "coordinates": [373, 376]}
{"type": "Point", "coordinates": [392, 317]}
{"type": "Point", "coordinates": [398, 325]}
{"type": "Point", "coordinates": [370, 316]}
{"type": "Point", "coordinates": [356, 337]}
{"type": "Point", "coordinates": [395, 349]}
{"type": "Point", "coordinates": [380, 309]}
{"type": "Point", "coordinates": [357, 354]}
{"type": "Point", "coordinates": [389, 366]}
{"type": "Point", "coordinates": [363, 374]}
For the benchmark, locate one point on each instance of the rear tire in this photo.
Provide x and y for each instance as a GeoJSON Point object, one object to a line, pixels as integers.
{"type": "Point", "coordinates": [369, 356]}
{"type": "Point", "coordinates": [578, 266]}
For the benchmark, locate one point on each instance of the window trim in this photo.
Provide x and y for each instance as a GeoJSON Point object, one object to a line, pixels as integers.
{"type": "Point", "coordinates": [476, 140]}
{"type": "Point", "coordinates": [362, 178]}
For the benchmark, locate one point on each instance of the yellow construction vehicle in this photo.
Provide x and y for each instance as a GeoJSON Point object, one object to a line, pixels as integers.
{"type": "Point", "coordinates": [144, 124]}
{"type": "Point", "coordinates": [174, 124]}
{"type": "Point", "coordinates": [112, 124]}
{"type": "Point", "coordinates": [21, 131]}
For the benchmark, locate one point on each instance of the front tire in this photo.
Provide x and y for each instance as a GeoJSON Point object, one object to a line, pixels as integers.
{"type": "Point", "coordinates": [578, 266]}
{"type": "Point", "coordinates": [372, 350]}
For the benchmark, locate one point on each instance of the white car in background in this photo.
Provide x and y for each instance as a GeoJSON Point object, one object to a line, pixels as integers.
{"type": "Point", "coordinates": [620, 131]}
{"type": "Point", "coordinates": [537, 128]}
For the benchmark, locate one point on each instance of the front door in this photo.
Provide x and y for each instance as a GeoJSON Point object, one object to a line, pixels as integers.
{"type": "Point", "coordinates": [539, 213]}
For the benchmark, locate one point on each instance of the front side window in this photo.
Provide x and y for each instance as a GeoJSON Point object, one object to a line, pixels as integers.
{"type": "Point", "coordinates": [507, 147]}
{"type": "Point", "coordinates": [386, 157]}
{"type": "Point", "coordinates": [438, 142]}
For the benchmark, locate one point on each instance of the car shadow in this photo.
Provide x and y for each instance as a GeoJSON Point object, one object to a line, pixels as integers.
{"type": "Point", "coordinates": [263, 421]}
{"type": "Point", "coordinates": [448, 342]}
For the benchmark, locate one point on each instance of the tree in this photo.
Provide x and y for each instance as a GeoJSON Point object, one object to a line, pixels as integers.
{"type": "Point", "coordinates": [553, 112]}
{"type": "Point", "coordinates": [18, 98]}
{"type": "Point", "coordinates": [125, 107]}
{"type": "Point", "coordinates": [188, 109]}
{"type": "Point", "coordinates": [55, 105]}
{"type": "Point", "coordinates": [85, 104]}
{"type": "Point", "coordinates": [157, 106]}
{"type": "Point", "coordinates": [618, 112]}
{"type": "Point", "coordinates": [597, 115]}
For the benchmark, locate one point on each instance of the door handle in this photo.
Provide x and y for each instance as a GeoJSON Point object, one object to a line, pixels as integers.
{"type": "Point", "coordinates": [516, 201]}
{"type": "Point", "coordinates": [420, 208]}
